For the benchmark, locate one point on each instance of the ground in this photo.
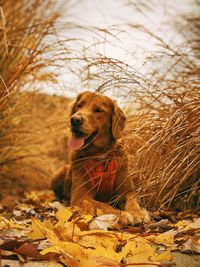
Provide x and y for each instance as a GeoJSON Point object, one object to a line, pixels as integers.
{"type": "Point", "coordinates": [40, 231]}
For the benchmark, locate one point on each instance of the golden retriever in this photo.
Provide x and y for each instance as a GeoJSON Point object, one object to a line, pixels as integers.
{"type": "Point", "coordinates": [98, 170]}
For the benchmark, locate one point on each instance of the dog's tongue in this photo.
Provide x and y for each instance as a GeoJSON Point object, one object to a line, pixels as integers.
{"type": "Point", "coordinates": [75, 142]}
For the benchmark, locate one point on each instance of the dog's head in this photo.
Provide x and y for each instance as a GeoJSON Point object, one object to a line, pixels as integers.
{"type": "Point", "coordinates": [95, 119]}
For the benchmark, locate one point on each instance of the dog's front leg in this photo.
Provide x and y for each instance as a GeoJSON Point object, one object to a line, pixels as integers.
{"type": "Point", "coordinates": [124, 187]}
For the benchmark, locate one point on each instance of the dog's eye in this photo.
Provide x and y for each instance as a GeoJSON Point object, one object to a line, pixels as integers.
{"type": "Point", "coordinates": [98, 110]}
{"type": "Point", "coordinates": [79, 105]}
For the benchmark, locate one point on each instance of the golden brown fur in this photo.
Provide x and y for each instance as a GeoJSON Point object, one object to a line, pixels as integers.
{"type": "Point", "coordinates": [98, 114]}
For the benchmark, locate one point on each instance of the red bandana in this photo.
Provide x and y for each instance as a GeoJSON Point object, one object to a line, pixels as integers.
{"type": "Point", "coordinates": [102, 177]}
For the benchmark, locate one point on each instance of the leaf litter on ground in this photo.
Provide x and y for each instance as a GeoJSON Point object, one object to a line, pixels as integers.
{"type": "Point", "coordinates": [40, 229]}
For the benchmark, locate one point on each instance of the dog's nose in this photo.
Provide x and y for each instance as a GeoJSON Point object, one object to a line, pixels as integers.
{"type": "Point", "coordinates": [77, 120]}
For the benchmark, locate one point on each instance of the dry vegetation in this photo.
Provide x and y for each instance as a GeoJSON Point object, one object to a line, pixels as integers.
{"type": "Point", "coordinates": [168, 160]}
{"type": "Point", "coordinates": [24, 60]}
{"type": "Point", "coordinates": [163, 135]}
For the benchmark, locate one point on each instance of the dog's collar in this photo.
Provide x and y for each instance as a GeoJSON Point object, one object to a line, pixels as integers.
{"type": "Point", "coordinates": [102, 176]}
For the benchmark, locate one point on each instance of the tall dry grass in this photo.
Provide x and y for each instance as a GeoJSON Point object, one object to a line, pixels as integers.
{"type": "Point", "coordinates": [24, 25]}
{"type": "Point", "coordinates": [163, 131]}
{"type": "Point", "coordinates": [167, 163]}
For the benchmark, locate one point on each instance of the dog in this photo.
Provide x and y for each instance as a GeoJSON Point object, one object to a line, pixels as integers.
{"type": "Point", "coordinates": [98, 170]}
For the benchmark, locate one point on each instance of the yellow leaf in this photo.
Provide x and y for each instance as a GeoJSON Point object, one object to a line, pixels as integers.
{"type": "Point", "coordinates": [86, 218]}
{"type": "Point", "coordinates": [63, 215]}
{"type": "Point", "coordinates": [100, 246]}
{"type": "Point", "coordinates": [69, 231]}
{"type": "Point", "coordinates": [36, 232]}
{"type": "Point", "coordinates": [98, 232]}
{"type": "Point", "coordinates": [99, 212]}
{"type": "Point", "coordinates": [70, 254]}
{"type": "Point", "coordinates": [182, 225]}
{"type": "Point", "coordinates": [53, 249]}
{"type": "Point", "coordinates": [166, 255]}
{"type": "Point", "coordinates": [71, 248]}
{"type": "Point", "coordinates": [84, 262]}
{"type": "Point", "coordinates": [4, 223]}
{"type": "Point", "coordinates": [137, 250]}
{"type": "Point", "coordinates": [12, 224]}
{"type": "Point", "coordinates": [164, 239]}
{"type": "Point", "coordinates": [33, 195]}
{"type": "Point", "coordinates": [65, 248]}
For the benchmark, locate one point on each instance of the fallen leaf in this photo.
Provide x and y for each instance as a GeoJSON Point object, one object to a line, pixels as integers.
{"type": "Point", "coordinates": [36, 232]}
{"type": "Point", "coordinates": [56, 205]}
{"type": "Point", "coordinates": [183, 226]}
{"type": "Point", "coordinates": [4, 223]}
{"type": "Point", "coordinates": [29, 250]}
{"type": "Point", "coordinates": [191, 245]}
{"type": "Point", "coordinates": [195, 224]}
{"type": "Point", "coordinates": [104, 222]}
{"type": "Point", "coordinates": [44, 244]}
{"type": "Point", "coordinates": [163, 239]}
{"type": "Point", "coordinates": [15, 225]}
{"type": "Point", "coordinates": [138, 250]}
{"type": "Point", "coordinates": [70, 231]}
{"type": "Point", "coordinates": [15, 263]}
{"type": "Point", "coordinates": [32, 195]}
{"type": "Point", "coordinates": [72, 249]}
{"type": "Point", "coordinates": [10, 245]}
{"type": "Point", "coordinates": [86, 218]}
{"type": "Point", "coordinates": [63, 215]}
{"type": "Point", "coordinates": [62, 233]}
{"type": "Point", "coordinates": [164, 256]}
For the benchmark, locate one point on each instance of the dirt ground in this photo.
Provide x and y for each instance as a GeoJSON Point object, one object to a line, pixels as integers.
{"type": "Point", "coordinates": [184, 260]}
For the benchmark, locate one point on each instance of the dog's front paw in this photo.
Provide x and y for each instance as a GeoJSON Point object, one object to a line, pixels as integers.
{"type": "Point", "coordinates": [125, 218]}
{"type": "Point", "coordinates": [141, 216]}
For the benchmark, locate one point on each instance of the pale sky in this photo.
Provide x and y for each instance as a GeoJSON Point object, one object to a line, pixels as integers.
{"type": "Point", "coordinates": [132, 46]}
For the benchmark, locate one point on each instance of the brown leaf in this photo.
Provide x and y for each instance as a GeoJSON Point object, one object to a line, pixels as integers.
{"type": "Point", "coordinates": [11, 245]}
{"type": "Point", "coordinates": [28, 249]}
{"type": "Point", "coordinates": [31, 250]}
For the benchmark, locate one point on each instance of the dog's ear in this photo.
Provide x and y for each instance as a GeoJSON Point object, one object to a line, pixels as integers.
{"type": "Point", "coordinates": [118, 121]}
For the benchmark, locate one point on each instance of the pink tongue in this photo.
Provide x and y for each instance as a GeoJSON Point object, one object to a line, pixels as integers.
{"type": "Point", "coordinates": [75, 142]}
